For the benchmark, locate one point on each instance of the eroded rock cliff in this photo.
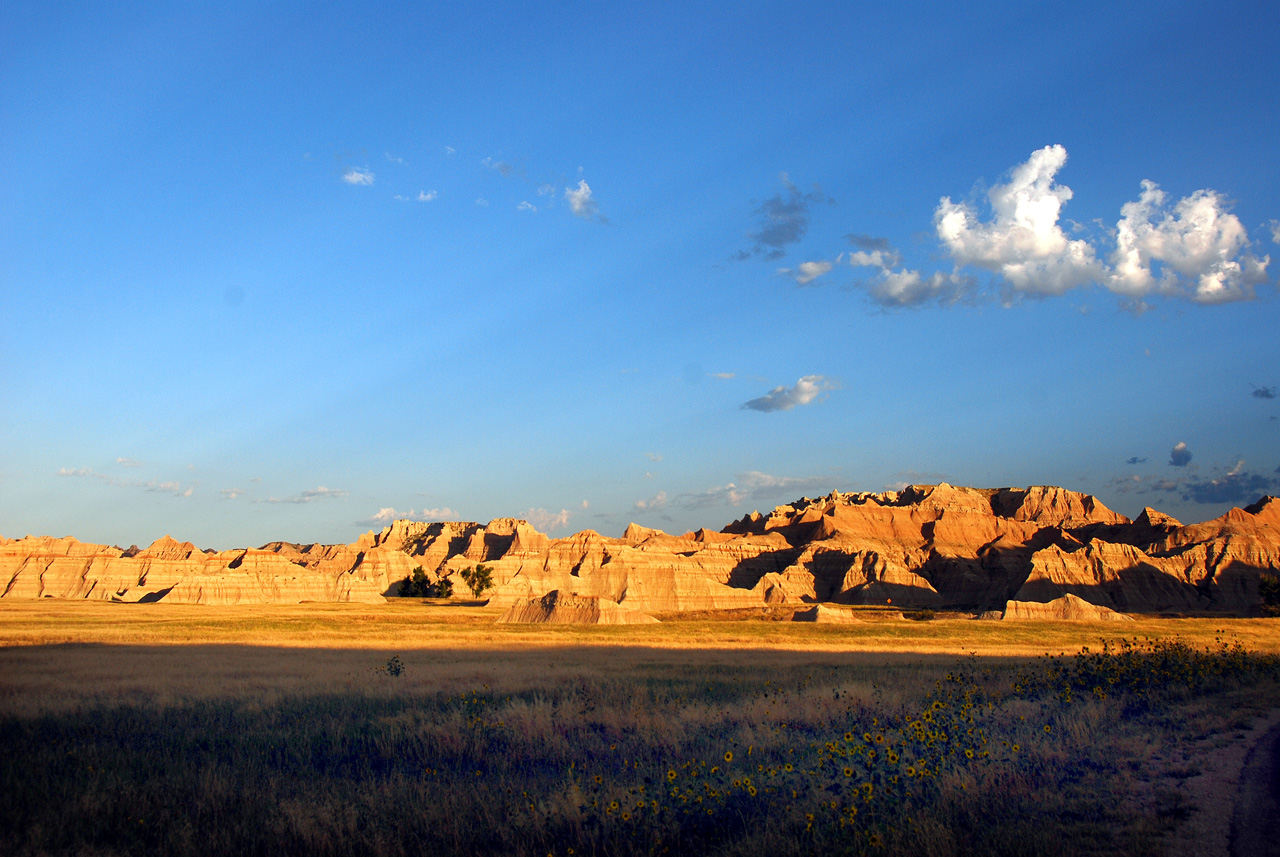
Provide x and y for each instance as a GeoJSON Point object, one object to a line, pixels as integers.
{"type": "Point", "coordinates": [926, 546]}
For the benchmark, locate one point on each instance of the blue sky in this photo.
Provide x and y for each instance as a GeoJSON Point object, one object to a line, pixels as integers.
{"type": "Point", "coordinates": [288, 272]}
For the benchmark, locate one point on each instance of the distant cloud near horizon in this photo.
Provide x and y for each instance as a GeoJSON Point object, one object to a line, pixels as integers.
{"type": "Point", "coordinates": [388, 514]}
{"type": "Point", "coordinates": [784, 220]}
{"type": "Point", "coordinates": [1179, 456]}
{"type": "Point", "coordinates": [153, 485]}
{"type": "Point", "coordinates": [785, 398]}
{"type": "Point", "coordinates": [355, 176]}
{"type": "Point", "coordinates": [754, 486]}
{"type": "Point", "coordinates": [1237, 486]}
{"type": "Point", "coordinates": [654, 503]}
{"type": "Point", "coordinates": [545, 521]}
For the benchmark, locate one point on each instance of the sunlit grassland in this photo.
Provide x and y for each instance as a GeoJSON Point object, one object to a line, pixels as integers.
{"type": "Point", "coordinates": [129, 729]}
{"type": "Point", "coordinates": [413, 624]}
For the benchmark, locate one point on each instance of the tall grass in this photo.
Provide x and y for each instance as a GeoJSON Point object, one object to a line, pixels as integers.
{"type": "Point", "coordinates": [676, 756]}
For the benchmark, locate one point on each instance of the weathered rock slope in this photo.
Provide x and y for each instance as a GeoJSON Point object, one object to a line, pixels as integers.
{"type": "Point", "coordinates": [927, 546]}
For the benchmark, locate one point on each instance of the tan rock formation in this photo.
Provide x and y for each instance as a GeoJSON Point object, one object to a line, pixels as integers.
{"type": "Point", "coordinates": [826, 615]}
{"type": "Point", "coordinates": [562, 608]}
{"type": "Point", "coordinates": [934, 546]}
{"type": "Point", "coordinates": [1068, 607]}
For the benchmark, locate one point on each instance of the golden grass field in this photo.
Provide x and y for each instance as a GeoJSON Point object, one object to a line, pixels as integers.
{"type": "Point", "coordinates": [153, 728]}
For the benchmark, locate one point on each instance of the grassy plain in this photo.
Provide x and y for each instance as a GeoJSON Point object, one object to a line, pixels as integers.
{"type": "Point", "coordinates": [176, 729]}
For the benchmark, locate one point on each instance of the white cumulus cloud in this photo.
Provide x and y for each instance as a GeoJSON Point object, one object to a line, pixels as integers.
{"type": "Point", "coordinates": [785, 398]}
{"type": "Point", "coordinates": [1197, 248]}
{"type": "Point", "coordinates": [1023, 242]}
{"type": "Point", "coordinates": [357, 176]}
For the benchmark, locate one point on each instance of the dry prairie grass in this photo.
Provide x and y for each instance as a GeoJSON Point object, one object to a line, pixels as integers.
{"type": "Point", "coordinates": [279, 729]}
{"type": "Point", "coordinates": [413, 624]}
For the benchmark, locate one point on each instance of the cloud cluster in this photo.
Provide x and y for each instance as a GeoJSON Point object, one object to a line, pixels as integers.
{"type": "Point", "coordinates": [1237, 486]}
{"type": "Point", "coordinates": [785, 398]}
{"type": "Point", "coordinates": [784, 219]}
{"type": "Point", "coordinates": [1192, 248]}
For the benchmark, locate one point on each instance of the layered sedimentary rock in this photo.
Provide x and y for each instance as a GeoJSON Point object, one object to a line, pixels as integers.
{"type": "Point", "coordinates": [1068, 607]}
{"type": "Point", "coordinates": [926, 546]}
{"type": "Point", "coordinates": [561, 608]}
{"type": "Point", "coordinates": [825, 615]}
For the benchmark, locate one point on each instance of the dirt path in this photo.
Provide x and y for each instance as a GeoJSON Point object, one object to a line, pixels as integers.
{"type": "Point", "coordinates": [1205, 782]}
{"type": "Point", "coordinates": [1255, 824]}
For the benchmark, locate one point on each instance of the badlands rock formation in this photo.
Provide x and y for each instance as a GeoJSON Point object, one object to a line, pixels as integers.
{"type": "Point", "coordinates": [561, 608]}
{"type": "Point", "coordinates": [927, 546]}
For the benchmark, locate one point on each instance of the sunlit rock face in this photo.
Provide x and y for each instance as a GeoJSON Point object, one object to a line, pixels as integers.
{"type": "Point", "coordinates": [926, 546]}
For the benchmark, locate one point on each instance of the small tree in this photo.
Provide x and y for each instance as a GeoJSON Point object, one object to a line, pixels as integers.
{"type": "Point", "coordinates": [478, 579]}
{"type": "Point", "coordinates": [442, 588]}
{"type": "Point", "coordinates": [415, 585]}
{"type": "Point", "coordinates": [1269, 590]}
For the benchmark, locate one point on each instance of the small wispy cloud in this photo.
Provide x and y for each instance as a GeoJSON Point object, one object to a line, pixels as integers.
{"type": "Point", "coordinates": [309, 496]}
{"type": "Point", "coordinates": [1179, 456]}
{"type": "Point", "coordinates": [724, 376]}
{"type": "Point", "coordinates": [358, 176]}
{"type": "Point", "coordinates": [653, 456]}
{"type": "Point", "coordinates": [583, 203]}
{"type": "Point", "coordinates": [501, 167]}
{"type": "Point", "coordinates": [449, 150]}
{"type": "Point", "coordinates": [657, 501]}
{"type": "Point", "coordinates": [128, 462]}
{"type": "Point", "coordinates": [482, 202]}
{"type": "Point", "coordinates": [806, 272]}
{"type": "Point", "coordinates": [785, 398]}
{"type": "Point", "coordinates": [392, 159]}
{"type": "Point", "coordinates": [231, 493]}
{"type": "Point", "coordinates": [783, 220]}
{"type": "Point", "coordinates": [177, 489]}
{"type": "Point", "coordinates": [525, 205]}
{"type": "Point", "coordinates": [753, 486]}
{"type": "Point", "coordinates": [426, 195]}
{"type": "Point", "coordinates": [1135, 460]}
{"type": "Point", "coordinates": [1264, 392]}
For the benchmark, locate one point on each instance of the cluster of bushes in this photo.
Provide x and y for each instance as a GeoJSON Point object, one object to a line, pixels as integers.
{"type": "Point", "coordinates": [478, 579]}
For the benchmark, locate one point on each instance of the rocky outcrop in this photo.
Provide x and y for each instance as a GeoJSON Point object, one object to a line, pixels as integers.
{"type": "Point", "coordinates": [1067, 608]}
{"type": "Point", "coordinates": [825, 615]}
{"type": "Point", "coordinates": [926, 546]}
{"type": "Point", "coordinates": [562, 608]}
